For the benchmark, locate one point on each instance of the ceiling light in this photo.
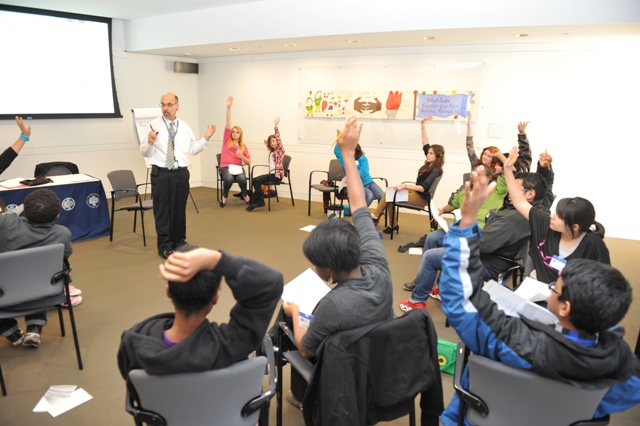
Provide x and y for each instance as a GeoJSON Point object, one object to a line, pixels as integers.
{"type": "Point", "coordinates": [186, 54]}
{"type": "Point", "coordinates": [234, 49]}
{"type": "Point", "coordinates": [428, 38]}
{"type": "Point", "coordinates": [521, 35]}
{"type": "Point", "coordinates": [565, 33]}
{"type": "Point", "coordinates": [353, 41]}
{"type": "Point", "coordinates": [290, 45]}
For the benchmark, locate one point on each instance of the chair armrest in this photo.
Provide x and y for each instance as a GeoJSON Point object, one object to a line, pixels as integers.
{"type": "Point", "coordinates": [143, 416]}
{"type": "Point", "coordinates": [386, 182]}
{"type": "Point", "coordinates": [472, 400]}
{"type": "Point", "coordinates": [300, 363]}
{"type": "Point", "coordinates": [257, 165]}
{"type": "Point", "coordinates": [64, 274]}
{"type": "Point", "coordinates": [286, 331]}
{"type": "Point", "coordinates": [256, 403]}
{"type": "Point", "coordinates": [317, 171]}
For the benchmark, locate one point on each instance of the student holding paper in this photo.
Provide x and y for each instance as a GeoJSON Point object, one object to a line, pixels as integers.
{"type": "Point", "coordinates": [585, 348]}
{"type": "Point", "coordinates": [352, 257]}
{"type": "Point", "coordinates": [427, 174]}
{"type": "Point", "coordinates": [233, 157]}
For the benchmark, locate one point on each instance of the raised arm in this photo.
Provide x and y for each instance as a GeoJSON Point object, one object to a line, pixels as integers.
{"type": "Point", "coordinates": [517, 196]}
{"type": "Point", "coordinates": [347, 143]}
{"type": "Point", "coordinates": [25, 130]}
{"type": "Point", "coordinates": [229, 105]}
{"type": "Point", "coordinates": [523, 164]}
{"type": "Point", "coordinates": [471, 152]}
{"type": "Point", "coordinates": [423, 127]}
{"type": "Point", "coordinates": [546, 171]}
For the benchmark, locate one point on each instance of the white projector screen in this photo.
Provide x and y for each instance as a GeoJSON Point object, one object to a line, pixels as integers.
{"type": "Point", "coordinates": [55, 65]}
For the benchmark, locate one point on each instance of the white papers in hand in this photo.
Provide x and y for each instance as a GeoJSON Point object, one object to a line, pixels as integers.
{"type": "Point", "coordinates": [234, 169]}
{"type": "Point", "coordinates": [515, 306]}
{"type": "Point", "coordinates": [343, 184]}
{"type": "Point", "coordinates": [402, 197]}
{"type": "Point", "coordinates": [308, 228]}
{"type": "Point", "coordinates": [305, 290]}
{"type": "Point", "coordinates": [533, 290]}
{"type": "Point", "coordinates": [458, 214]}
{"type": "Point", "coordinates": [434, 213]}
{"type": "Point", "coordinates": [60, 399]}
{"type": "Point", "coordinates": [415, 250]}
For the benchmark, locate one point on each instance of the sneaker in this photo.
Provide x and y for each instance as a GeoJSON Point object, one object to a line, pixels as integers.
{"type": "Point", "coordinates": [16, 337]}
{"type": "Point", "coordinates": [75, 301]}
{"type": "Point", "coordinates": [74, 291]}
{"type": "Point", "coordinates": [409, 286]}
{"type": "Point", "coordinates": [293, 401]}
{"type": "Point", "coordinates": [33, 336]}
{"type": "Point", "coordinates": [435, 294]}
{"type": "Point", "coordinates": [407, 305]}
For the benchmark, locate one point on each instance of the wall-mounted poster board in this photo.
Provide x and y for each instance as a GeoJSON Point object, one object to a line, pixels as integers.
{"type": "Point", "coordinates": [389, 99]}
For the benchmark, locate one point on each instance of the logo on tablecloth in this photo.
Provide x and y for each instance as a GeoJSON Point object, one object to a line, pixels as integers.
{"type": "Point", "coordinates": [68, 204]}
{"type": "Point", "coordinates": [11, 207]}
{"type": "Point", "coordinates": [93, 200]}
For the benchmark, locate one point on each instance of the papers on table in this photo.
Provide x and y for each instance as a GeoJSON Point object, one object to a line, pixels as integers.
{"type": "Point", "coordinates": [73, 178]}
{"type": "Point", "coordinates": [533, 290]}
{"type": "Point", "coordinates": [57, 180]}
{"type": "Point", "coordinates": [415, 250]}
{"type": "Point", "coordinates": [308, 228]}
{"type": "Point", "coordinates": [401, 197]}
{"type": "Point", "coordinates": [305, 290]}
{"type": "Point", "coordinates": [234, 169]}
{"type": "Point", "coordinates": [60, 399]}
{"type": "Point", "coordinates": [515, 306]}
{"type": "Point", "coordinates": [12, 183]}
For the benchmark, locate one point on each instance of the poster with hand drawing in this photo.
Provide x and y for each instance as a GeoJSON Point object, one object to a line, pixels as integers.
{"type": "Point", "coordinates": [389, 105]}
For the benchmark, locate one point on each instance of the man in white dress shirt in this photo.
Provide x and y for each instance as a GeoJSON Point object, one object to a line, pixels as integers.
{"type": "Point", "coordinates": [168, 144]}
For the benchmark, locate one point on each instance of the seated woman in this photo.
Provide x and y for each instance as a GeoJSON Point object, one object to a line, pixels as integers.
{"type": "Point", "coordinates": [371, 189]}
{"type": "Point", "coordinates": [234, 152]}
{"type": "Point", "coordinates": [562, 236]}
{"type": "Point", "coordinates": [276, 168]}
{"type": "Point", "coordinates": [427, 174]}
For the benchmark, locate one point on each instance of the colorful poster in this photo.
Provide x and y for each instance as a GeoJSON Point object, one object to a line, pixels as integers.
{"type": "Point", "coordinates": [388, 105]}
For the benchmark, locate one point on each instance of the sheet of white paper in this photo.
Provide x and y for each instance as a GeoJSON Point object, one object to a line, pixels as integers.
{"type": "Point", "coordinates": [308, 228]}
{"type": "Point", "coordinates": [513, 305]}
{"type": "Point", "coordinates": [457, 214]}
{"type": "Point", "coordinates": [415, 250]}
{"type": "Point", "coordinates": [234, 169]}
{"type": "Point", "coordinates": [343, 184]}
{"type": "Point", "coordinates": [79, 396]}
{"type": "Point", "coordinates": [73, 178]}
{"type": "Point", "coordinates": [402, 197]}
{"type": "Point", "coordinates": [42, 406]}
{"type": "Point", "coordinates": [306, 290]}
{"type": "Point", "coordinates": [434, 213]}
{"type": "Point", "coordinates": [533, 290]}
{"type": "Point", "coordinates": [12, 183]}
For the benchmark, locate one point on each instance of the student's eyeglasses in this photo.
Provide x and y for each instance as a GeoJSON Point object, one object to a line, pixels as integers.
{"type": "Point", "coordinates": [552, 287]}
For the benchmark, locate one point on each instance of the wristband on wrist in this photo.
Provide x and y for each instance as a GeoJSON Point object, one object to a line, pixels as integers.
{"type": "Point", "coordinates": [24, 137]}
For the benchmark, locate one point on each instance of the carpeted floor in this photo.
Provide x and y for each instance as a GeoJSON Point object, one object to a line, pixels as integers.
{"type": "Point", "coordinates": [121, 286]}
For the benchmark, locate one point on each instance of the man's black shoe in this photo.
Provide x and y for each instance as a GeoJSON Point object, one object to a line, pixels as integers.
{"type": "Point", "coordinates": [165, 253]}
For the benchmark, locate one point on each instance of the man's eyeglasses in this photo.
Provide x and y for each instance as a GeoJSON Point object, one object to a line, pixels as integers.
{"type": "Point", "coordinates": [552, 287]}
{"type": "Point", "coordinates": [166, 105]}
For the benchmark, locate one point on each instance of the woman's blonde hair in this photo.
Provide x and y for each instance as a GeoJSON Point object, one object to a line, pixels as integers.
{"type": "Point", "coordinates": [240, 143]}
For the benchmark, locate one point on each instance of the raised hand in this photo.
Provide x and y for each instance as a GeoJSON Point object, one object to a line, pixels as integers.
{"type": "Point", "coordinates": [350, 136]}
{"type": "Point", "coordinates": [181, 267]}
{"type": "Point", "coordinates": [522, 127]}
{"type": "Point", "coordinates": [473, 200]}
{"type": "Point", "coordinates": [424, 120]}
{"type": "Point", "coordinates": [211, 129]}
{"type": "Point", "coordinates": [25, 129]}
{"type": "Point", "coordinates": [545, 160]}
{"type": "Point", "coordinates": [276, 121]}
{"type": "Point", "coordinates": [229, 101]}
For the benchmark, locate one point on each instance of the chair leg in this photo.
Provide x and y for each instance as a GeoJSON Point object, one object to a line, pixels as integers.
{"type": "Point", "coordinates": [194, 202]}
{"type": "Point", "coordinates": [144, 237]}
{"type": "Point", "coordinates": [61, 319]}
{"type": "Point", "coordinates": [135, 219]}
{"type": "Point", "coordinates": [291, 191]}
{"type": "Point", "coordinates": [4, 388]}
{"type": "Point", "coordinates": [72, 319]}
{"type": "Point", "coordinates": [412, 416]}
{"type": "Point", "coordinates": [113, 203]}
{"type": "Point", "coordinates": [309, 204]}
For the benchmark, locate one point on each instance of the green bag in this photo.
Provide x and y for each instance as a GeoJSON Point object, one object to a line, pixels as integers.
{"type": "Point", "coordinates": [447, 356]}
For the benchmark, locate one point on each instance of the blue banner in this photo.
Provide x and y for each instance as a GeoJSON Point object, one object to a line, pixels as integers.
{"type": "Point", "coordinates": [443, 105]}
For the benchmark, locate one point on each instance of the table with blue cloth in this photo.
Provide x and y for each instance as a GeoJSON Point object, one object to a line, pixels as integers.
{"type": "Point", "coordinates": [84, 204]}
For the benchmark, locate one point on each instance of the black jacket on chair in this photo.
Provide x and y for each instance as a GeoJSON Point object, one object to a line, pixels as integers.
{"type": "Point", "coordinates": [43, 168]}
{"type": "Point", "coordinates": [373, 373]}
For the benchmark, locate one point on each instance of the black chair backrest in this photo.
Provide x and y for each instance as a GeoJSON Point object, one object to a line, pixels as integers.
{"type": "Point", "coordinates": [123, 183]}
{"type": "Point", "coordinates": [55, 168]}
{"type": "Point", "coordinates": [285, 163]}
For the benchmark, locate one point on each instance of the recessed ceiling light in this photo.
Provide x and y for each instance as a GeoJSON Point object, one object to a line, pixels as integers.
{"type": "Point", "coordinates": [353, 41]}
{"type": "Point", "coordinates": [290, 45]}
{"type": "Point", "coordinates": [234, 49]}
{"type": "Point", "coordinates": [521, 35]}
{"type": "Point", "coordinates": [186, 54]}
{"type": "Point", "coordinates": [565, 33]}
{"type": "Point", "coordinates": [428, 38]}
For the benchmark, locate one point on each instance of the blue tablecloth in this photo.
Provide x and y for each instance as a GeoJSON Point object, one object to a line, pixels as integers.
{"type": "Point", "coordinates": [84, 206]}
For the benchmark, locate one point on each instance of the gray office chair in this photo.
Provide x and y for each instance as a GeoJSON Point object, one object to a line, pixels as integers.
{"type": "Point", "coordinates": [123, 185]}
{"type": "Point", "coordinates": [219, 181]}
{"type": "Point", "coordinates": [286, 179]}
{"type": "Point", "coordinates": [229, 396]}
{"type": "Point", "coordinates": [426, 209]}
{"type": "Point", "coordinates": [500, 395]}
{"type": "Point", "coordinates": [34, 279]}
{"type": "Point", "coordinates": [334, 174]}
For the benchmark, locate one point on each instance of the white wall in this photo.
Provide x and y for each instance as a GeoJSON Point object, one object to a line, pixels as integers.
{"type": "Point", "coordinates": [580, 100]}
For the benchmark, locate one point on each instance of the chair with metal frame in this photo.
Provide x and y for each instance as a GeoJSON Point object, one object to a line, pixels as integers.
{"type": "Point", "coordinates": [334, 174]}
{"type": "Point", "coordinates": [231, 396]}
{"type": "Point", "coordinates": [123, 185]}
{"type": "Point", "coordinates": [34, 279]}
{"type": "Point", "coordinates": [427, 208]}
{"type": "Point", "coordinates": [286, 180]}
{"type": "Point", "coordinates": [500, 395]}
{"type": "Point", "coordinates": [219, 180]}
{"type": "Point", "coordinates": [55, 168]}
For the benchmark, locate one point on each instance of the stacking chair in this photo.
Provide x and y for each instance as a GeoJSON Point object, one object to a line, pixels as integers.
{"type": "Point", "coordinates": [33, 279]}
{"type": "Point", "coordinates": [123, 185]}
{"type": "Point", "coordinates": [229, 396]}
{"type": "Point", "coordinates": [500, 395]}
{"type": "Point", "coordinates": [427, 208]}
{"type": "Point", "coordinates": [286, 179]}
{"type": "Point", "coordinates": [333, 174]}
{"type": "Point", "coordinates": [516, 271]}
{"type": "Point", "coordinates": [219, 179]}
{"type": "Point", "coordinates": [412, 370]}
{"type": "Point", "coordinates": [55, 168]}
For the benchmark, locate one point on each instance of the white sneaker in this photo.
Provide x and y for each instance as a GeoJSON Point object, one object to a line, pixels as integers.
{"type": "Point", "coordinates": [75, 301]}
{"type": "Point", "coordinates": [73, 291]}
